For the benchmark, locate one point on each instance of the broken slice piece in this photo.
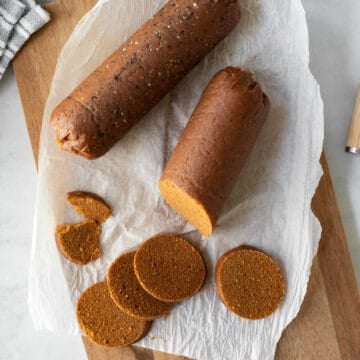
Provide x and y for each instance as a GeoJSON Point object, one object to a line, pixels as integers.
{"type": "Point", "coordinates": [80, 243]}
{"type": "Point", "coordinates": [89, 205]}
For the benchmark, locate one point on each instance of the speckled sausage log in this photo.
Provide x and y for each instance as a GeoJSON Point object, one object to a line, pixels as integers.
{"type": "Point", "coordinates": [214, 147]}
{"type": "Point", "coordinates": [132, 80]}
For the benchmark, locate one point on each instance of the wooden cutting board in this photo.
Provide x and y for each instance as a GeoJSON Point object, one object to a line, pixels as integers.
{"type": "Point", "coordinates": [328, 324]}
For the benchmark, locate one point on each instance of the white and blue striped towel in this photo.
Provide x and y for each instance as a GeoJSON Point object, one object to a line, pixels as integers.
{"type": "Point", "coordinates": [18, 20]}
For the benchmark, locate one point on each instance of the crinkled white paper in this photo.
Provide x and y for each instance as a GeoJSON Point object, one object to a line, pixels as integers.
{"type": "Point", "coordinates": [269, 208]}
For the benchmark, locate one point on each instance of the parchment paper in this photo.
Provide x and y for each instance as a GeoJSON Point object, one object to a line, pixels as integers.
{"type": "Point", "coordinates": [269, 208]}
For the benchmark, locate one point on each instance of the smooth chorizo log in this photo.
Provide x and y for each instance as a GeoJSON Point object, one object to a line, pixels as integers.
{"type": "Point", "coordinates": [132, 80]}
{"type": "Point", "coordinates": [214, 147]}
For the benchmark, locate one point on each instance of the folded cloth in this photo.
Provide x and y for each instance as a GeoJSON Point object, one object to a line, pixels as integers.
{"type": "Point", "coordinates": [10, 13]}
{"type": "Point", "coordinates": [18, 20]}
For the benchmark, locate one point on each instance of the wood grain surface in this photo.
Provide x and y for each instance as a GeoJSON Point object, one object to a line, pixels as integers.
{"type": "Point", "coordinates": [328, 324]}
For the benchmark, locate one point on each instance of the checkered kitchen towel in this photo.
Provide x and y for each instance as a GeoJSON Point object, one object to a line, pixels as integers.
{"type": "Point", "coordinates": [18, 20]}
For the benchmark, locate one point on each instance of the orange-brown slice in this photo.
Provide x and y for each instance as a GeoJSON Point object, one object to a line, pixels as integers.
{"type": "Point", "coordinates": [79, 243]}
{"type": "Point", "coordinates": [104, 323]}
{"type": "Point", "coordinates": [169, 268]}
{"type": "Point", "coordinates": [249, 283]}
{"type": "Point", "coordinates": [128, 294]}
{"type": "Point", "coordinates": [89, 205]}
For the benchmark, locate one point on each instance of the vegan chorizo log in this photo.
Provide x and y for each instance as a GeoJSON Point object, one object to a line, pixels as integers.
{"type": "Point", "coordinates": [134, 78]}
{"type": "Point", "coordinates": [214, 147]}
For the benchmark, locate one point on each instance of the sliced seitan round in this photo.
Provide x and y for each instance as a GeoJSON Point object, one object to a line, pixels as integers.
{"type": "Point", "coordinates": [104, 323]}
{"type": "Point", "coordinates": [169, 268]}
